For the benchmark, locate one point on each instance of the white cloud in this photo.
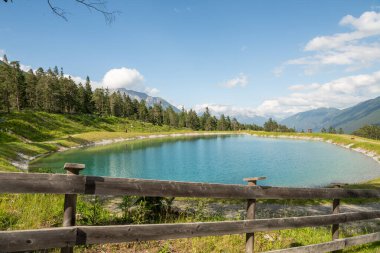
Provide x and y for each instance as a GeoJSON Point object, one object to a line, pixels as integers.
{"type": "Point", "coordinates": [368, 24]}
{"type": "Point", "coordinates": [239, 81]}
{"type": "Point", "coordinates": [340, 93]}
{"type": "Point", "coordinates": [78, 80]}
{"type": "Point", "coordinates": [151, 91]}
{"type": "Point", "coordinates": [123, 78]}
{"type": "Point", "coordinates": [2, 52]}
{"type": "Point", "coordinates": [278, 71]}
{"type": "Point", "coordinates": [127, 78]}
{"type": "Point", "coordinates": [299, 87]}
{"type": "Point", "coordinates": [25, 67]}
{"type": "Point", "coordinates": [357, 49]}
{"type": "Point", "coordinates": [218, 109]}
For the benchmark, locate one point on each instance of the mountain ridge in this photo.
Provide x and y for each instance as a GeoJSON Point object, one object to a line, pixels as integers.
{"type": "Point", "coordinates": [349, 119]}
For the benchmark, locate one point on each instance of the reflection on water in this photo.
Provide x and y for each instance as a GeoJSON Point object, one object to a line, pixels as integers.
{"type": "Point", "coordinates": [221, 159]}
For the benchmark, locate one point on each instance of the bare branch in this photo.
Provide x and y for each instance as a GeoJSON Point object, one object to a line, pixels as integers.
{"type": "Point", "coordinates": [58, 11]}
{"type": "Point", "coordinates": [96, 5]}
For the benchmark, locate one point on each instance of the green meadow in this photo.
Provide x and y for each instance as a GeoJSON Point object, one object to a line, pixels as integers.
{"type": "Point", "coordinates": [29, 134]}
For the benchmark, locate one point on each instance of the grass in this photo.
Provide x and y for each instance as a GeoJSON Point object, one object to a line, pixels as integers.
{"type": "Point", "coordinates": [30, 211]}
{"type": "Point", "coordinates": [342, 139]}
{"type": "Point", "coordinates": [36, 133]}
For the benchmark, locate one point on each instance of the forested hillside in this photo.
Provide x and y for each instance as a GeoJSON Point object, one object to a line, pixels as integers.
{"type": "Point", "coordinates": [54, 92]}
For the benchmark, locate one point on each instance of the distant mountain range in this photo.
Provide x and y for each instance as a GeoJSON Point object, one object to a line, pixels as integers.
{"type": "Point", "coordinates": [349, 119]}
{"type": "Point", "coordinates": [149, 100]}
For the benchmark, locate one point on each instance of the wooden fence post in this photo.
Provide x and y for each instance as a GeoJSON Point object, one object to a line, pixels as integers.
{"type": "Point", "coordinates": [251, 206]}
{"type": "Point", "coordinates": [336, 210]}
{"type": "Point", "coordinates": [70, 203]}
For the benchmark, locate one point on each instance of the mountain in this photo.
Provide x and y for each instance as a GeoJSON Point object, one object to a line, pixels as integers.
{"type": "Point", "coordinates": [352, 118]}
{"type": "Point", "coordinates": [313, 119]}
{"type": "Point", "coordinates": [349, 119]}
{"type": "Point", "coordinates": [149, 100]}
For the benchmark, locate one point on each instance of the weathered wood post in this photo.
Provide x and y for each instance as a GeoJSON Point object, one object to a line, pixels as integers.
{"type": "Point", "coordinates": [70, 203]}
{"type": "Point", "coordinates": [251, 206]}
{"type": "Point", "coordinates": [336, 210]}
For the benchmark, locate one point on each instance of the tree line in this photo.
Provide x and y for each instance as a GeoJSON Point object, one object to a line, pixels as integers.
{"type": "Point", "coordinates": [54, 92]}
{"type": "Point", "coordinates": [369, 131]}
{"type": "Point", "coordinates": [332, 130]}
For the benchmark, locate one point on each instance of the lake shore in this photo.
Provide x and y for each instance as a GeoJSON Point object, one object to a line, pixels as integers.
{"type": "Point", "coordinates": [351, 145]}
{"type": "Point", "coordinates": [91, 141]}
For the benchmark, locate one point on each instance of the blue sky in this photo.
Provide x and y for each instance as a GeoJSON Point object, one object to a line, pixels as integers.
{"type": "Point", "coordinates": [271, 58]}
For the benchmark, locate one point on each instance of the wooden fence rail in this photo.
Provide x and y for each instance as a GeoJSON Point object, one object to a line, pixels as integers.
{"type": "Point", "coordinates": [83, 235]}
{"type": "Point", "coordinates": [70, 235]}
{"type": "Point", "coordinates": [72, 184]}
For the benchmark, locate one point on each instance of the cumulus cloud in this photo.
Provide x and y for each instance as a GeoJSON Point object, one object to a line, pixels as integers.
{"type": "Point", "coordinates": [354, 50]}
{"type": "Point", "coordinates": [25, 67]}
{"type": "Point", "coordinates": [340, 93]}
{"type": "Point", "coordinates": [239, 81]}
{"type": "Point", "coordinates": [367, 25]}
{"type": "Point", "coordinates": [218, 109]}
{"type": "Point", "coordinates": [123, 78]}
{"type": "Point", "coordinates": [127, 78]}
{"type": "Point", "coordinates": [78, 80]}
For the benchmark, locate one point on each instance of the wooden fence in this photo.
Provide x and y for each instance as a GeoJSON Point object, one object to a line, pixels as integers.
{"type": "Point", "coordinates": [69, 235]}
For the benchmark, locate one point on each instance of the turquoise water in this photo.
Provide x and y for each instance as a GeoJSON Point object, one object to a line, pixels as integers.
{"type": "Point", "coordinates": [222, 159]}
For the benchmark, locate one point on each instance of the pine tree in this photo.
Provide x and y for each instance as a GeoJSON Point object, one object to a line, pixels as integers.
{"type": "Point", "coordinates": [107, 106]}
{"type": "Point", "coordinates": [17, 86]}
{"type": "Point", "coordinates": [116, 104]}
{"type": "Point", "coordinates": [99, 101]}
{"type": "Point", "coordinates": [5, 58]}
{"type": "Point", "coordinates": [157, 114]}
{"type": "Point", "coordinates": [5, 87]}
{"type": "Point", "coordinates": [332, 130]}
{"type": "Point", "coordinates": [31, 90]}
{"type": "Point", "coordinates": [143, 114]}
{"type": "Point", "coordinates": [192, 120]}
{"type": "Point", "coordinates": [88, 102]}
{"type": "Point", "coordinates": [203, 120]}
{"type": "Point", "coordinates": [211, 123]}
{"type": "Point", "coordinates": [173, 117]}
{"type": "Point", "coordinates": [182, 118]}
{"type": "Point", "coordinates": [228, 123]}
{"type": "Point", "coordinates": [129, 110]}
{"type": "Point", "coordinates": [235, 125]}
{"type": "Point", "coordinates": [222, 124]}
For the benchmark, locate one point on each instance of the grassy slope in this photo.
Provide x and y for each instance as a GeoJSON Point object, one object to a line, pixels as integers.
{"type": "Point", "coordinates": [38, 133]}
{"type": "Point", "coordinates": [35, 133]}
{"type": "Point", "coordinates": [342, 139]}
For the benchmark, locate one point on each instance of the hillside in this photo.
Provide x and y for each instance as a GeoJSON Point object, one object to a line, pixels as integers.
{"type": "Point", "coordinates": [27, 134]}
{"type": "Point", "coordinates": [365, 113]}
{"type": "Point", "coordinates": [349, 119]}
{"type": "Point", "coordinates": [314, 119]}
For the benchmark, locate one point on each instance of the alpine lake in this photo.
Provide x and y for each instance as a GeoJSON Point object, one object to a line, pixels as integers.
{"type": "Point", "coordinates": [221, 159]}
